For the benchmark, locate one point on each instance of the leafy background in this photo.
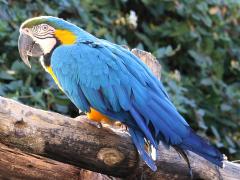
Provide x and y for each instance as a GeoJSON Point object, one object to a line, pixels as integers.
{"type": "Point", "coordinates": [197, 42]}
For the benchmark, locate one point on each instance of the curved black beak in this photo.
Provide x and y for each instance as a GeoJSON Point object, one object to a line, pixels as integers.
{"type": "Point", "coordinates": [28, 47]}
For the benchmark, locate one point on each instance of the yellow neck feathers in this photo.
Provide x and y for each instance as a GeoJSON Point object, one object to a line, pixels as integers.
{"type": "Point", "coordinates": [65, 37]}
{"type": "Point", "coordinates": [50, 71]}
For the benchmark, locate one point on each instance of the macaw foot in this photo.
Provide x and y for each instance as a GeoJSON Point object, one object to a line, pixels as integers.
{"type": "Point", "coordinates": [184, 155]}
{"type": "Point", "coordinates": [92, 122]}
{"type": "Point", "coordinates": [81, 113]}
{"type": "Point", "coordinates": [120, 126]}
{"type": "Point", "coordinates": [99, 125]}
{"type": "Point", "coordinates": [96, 124]}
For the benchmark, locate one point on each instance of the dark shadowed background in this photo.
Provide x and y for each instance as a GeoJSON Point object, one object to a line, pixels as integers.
{"type": "Point", "coordinates": [197, 43]}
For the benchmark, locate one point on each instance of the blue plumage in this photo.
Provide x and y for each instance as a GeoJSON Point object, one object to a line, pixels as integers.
{"type": "Point", "coordinates": [96, 73]}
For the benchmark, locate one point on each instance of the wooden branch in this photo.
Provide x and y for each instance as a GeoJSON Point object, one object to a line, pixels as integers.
{"type": "Point", "coordinates": [15, 164]}
{"type": "Point", "coordinates": [106, 150]}
{"type": "Point", "coordinates": [81, 143]}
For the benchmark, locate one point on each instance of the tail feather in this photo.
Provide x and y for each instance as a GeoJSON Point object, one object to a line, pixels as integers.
{"type": "Point", "coordinates": [138, 140]}
{"type": "Point", "coordinates": [192, 143]}
{"type": "Point", "coordinates": [200, 146]}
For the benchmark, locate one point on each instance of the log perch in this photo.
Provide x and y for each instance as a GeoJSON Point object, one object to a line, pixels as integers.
{"type": "Point", "coordinates": [79, 142]}
{"type": "Point", "coordinates": [48, 145]}
{"type": "Point", "coordinates": [15, 164]}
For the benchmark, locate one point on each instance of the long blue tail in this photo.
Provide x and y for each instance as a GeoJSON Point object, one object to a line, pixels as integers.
{"type": "Point", "coordinates": [192, 143]}
{"type": "Point", "coordinates": [158, 119]}
{"type": "Point", "coordinates": [200, 146]}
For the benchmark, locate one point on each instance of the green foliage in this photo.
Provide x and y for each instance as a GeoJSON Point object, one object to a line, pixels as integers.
{"type": "Point", "coordinates": [196, 41]}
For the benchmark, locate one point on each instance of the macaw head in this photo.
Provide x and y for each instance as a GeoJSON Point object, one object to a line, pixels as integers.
{"type": "Point", "coordinates": [40, 35]}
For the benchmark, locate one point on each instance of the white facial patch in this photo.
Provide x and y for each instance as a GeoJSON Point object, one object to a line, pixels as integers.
{"type": "Point", "coordinates": [43, 35]}
{"type": "Point", "coordinates": [46, 44]}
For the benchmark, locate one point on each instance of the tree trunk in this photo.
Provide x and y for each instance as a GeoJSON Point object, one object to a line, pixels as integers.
{"type": "Point", "coordinates": [81, 143]}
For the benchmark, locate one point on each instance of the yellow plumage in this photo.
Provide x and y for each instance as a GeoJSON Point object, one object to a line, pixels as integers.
{"type": "Point", "coordinates": [65, 37]}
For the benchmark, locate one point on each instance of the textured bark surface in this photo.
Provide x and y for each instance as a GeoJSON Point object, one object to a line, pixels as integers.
{"type": "Point", "coordinates": [46, 139]}
{"type": "Point", "coordinates": [15, 164]}
{"type": "Point", "coordinates": [149, 60]}
{"type": "Point", "coordinates": [81, 143]}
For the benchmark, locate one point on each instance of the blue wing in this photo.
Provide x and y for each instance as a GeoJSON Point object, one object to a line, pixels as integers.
{"type": "Point", "coordinates": [115, 82]}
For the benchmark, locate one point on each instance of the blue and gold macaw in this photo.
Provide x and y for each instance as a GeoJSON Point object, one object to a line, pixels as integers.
{"type": "Point", "coordinates": [110, 83]}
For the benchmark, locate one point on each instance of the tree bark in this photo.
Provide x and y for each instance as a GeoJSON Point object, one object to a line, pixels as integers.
{"type": "Point", "coordinates": [80, 143]}
{"type": "Point", "coordinates": [15, 164]}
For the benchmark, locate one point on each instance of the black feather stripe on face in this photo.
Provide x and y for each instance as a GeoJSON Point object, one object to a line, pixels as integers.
{"type": "Point", "coordinates": [47, 57]}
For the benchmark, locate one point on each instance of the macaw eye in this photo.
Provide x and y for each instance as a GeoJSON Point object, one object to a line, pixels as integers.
{"type": "Point", "coordinates": [44, 27]}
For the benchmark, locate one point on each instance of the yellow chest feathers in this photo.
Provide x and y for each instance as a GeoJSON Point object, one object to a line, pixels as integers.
{"type": "Point", "coordinates": [50, 71]}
